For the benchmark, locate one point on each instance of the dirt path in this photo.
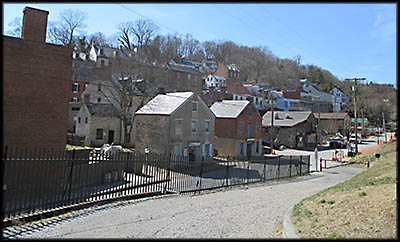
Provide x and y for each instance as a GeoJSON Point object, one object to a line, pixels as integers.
{"type": "Point", "coordinates": [234, 213]}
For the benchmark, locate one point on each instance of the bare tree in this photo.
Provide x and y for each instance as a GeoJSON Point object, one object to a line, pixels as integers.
{"type": "Point", "coordinates": [16, 25]}
{"type": "Point", "coordinates": [63, 31]}
{"type": "Point", "coordinates": [125, 36]}
{"type": "Point", "coordinates": [144, 31]}
{"type": "Point", "coordinates": [100, 39]}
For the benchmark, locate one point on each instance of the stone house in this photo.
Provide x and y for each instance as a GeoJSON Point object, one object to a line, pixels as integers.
{"type": "Point", "coordinates": [332, 123]}
{"type": "Point", "coordinates": [178, 123]}
{"type": "Point", "coordinates": [36, 86]}
{"type": "Point", "coordinates": [82, 68]}
{"type": "Point", "coordinates": [238, 128]}
{"type": "Point", "coordinates": [293, 129]}
{"type": "Point", "coordinates": [99, 124]}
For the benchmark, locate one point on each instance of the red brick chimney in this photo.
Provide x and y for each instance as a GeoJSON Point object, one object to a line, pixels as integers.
{"type": "Point", "coordinates": [34, 24]}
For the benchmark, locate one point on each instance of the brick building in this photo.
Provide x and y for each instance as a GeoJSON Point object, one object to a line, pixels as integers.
{"type": "Point", "coordinates": [37, 83]}
{"type": "Point", "coordinates": [238, 128]}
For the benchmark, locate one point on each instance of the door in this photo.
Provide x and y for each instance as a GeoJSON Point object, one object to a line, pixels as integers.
{"type": "Point", "coordinates": [248, 149]}
{"type": "Point", "coordinates": [110, 136]}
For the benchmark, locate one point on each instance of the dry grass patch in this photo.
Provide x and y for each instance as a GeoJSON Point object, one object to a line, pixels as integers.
{"type": "Point", "coordinates": [362, 207]}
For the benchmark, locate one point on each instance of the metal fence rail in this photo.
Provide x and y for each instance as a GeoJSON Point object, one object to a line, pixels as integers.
{"type": "Point", "coordinates": [42, 180]}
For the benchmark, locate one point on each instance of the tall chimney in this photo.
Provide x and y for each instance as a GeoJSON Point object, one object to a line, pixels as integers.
{"type": "Point", "coordinates": [34, 24]}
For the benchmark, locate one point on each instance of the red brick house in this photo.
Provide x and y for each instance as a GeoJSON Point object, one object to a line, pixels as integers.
{"type": "Point", "coordinates": [238, 128]}
{"type": "Point", "coordinates": [37, 84]}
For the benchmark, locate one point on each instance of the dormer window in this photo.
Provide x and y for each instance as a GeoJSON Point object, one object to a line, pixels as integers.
{"type": "Point", "coordinates": [101, 51]}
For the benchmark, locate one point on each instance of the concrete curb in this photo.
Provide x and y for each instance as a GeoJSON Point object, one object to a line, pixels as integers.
{"type": "Point", "coordinates": [288, 230]}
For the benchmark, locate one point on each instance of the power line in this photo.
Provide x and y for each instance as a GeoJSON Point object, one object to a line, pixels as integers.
{"type": "Point", "coordinates": [148, 18]}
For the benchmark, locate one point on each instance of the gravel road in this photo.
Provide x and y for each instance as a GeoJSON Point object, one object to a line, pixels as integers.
{"type": "Point", "coordinates": [239, 212]}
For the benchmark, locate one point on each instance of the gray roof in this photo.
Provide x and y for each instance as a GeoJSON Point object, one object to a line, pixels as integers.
{"type": "Point", "coordinates": [102, 110]}
{"type": "Point", "coordinates": [294, 118]}
{"type": "Point", "coordinates": [183, 69]}
{"type": "Point", "coordinates": [165, 104]}
{"type": "Point", "coordinates": [228, 108]}
{"type": "Point", "coordinates": [219, 77]}
{"type": "Point", "coordinates": [109, 52]}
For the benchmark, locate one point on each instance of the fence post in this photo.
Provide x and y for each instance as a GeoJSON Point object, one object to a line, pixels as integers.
{"type": "Point", "coordinates": [201, 173]}
{"type": "Point", "coordinates": [320, 164]}
{"type": "Point", "coordinates": [248, 165]}
{"type": "Point", "coordinates": [227, 173]}
{"type": "Point", "coordinates": [290, 166]}
{"type": "Point", "coordinates": [325, 164]}
{"type": "Point", "coordinates": [70, 176]}
{"type": "Point", "coordinates": [309, 164]}
{"type": "Point", "coordinates": [301, 163]}
{"type": "Point", "coordinates": [265, 172]}
{"type": "Point", "coordinates": [167, 184]}
{"type": "Point", "coordinates": [279, 166]}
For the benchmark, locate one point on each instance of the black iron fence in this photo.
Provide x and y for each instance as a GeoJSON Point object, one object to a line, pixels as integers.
{"type": "Point", "coordinates": [41, 180]}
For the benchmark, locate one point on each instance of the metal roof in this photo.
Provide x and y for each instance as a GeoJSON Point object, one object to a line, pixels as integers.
{"type": "Point", "coordinates": [183, 69]}
{"type": "Point", "coordinates": [102, 110]}
{"type": "Point", "coordinates": [228, 108]}
{"type": "Point", "coordinates": [165, 104]}
{"type": "Point", "coordinates": [285, 119]}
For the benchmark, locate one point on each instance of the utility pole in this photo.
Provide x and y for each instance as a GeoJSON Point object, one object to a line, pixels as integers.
{"type": "Point", "coordinates": [355, 106]}
{"type": "Point", "coordinates": [384, 126]}
{"type": "Point", "coordinates": [272, 120]}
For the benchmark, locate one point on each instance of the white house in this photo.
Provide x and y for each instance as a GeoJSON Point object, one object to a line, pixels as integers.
{"type": "Point", "coordinates": [214, 81]}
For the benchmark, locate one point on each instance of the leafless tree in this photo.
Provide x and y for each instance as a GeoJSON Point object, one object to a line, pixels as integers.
{"type": "Point", "coordinates": [16, 25]}
{"type": "Point", "coordinates": [63, 31]}
{"type": "Point", "coordinates": [100, 39]}
{"type": "Point", "coordinates": [125, 36]}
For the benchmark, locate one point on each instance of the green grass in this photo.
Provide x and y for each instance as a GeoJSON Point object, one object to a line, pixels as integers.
{"type": "Point", "coordinates": [382, 172]}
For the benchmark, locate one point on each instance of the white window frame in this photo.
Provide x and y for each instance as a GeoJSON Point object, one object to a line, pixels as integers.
{"type": "Point", "coordinates": [207, 126]}
{"type": "Point", "coordinates": [178, 75]}
{"type": "Point", "coordinates": [176, 131]}
{"type": "Point", "coordinates": [197, 106]}
{"type": "Point", "coordinates": [194, 121]}
{"type": "Point", "coordinates": [76, 87]}
{"type": "Point", "coordinates": [188, 76]}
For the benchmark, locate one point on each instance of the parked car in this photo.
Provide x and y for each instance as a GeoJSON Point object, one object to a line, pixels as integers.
{"type": "Point", "coordinates": [352, 138]}
{"type": "Point", "coordinates": [337, 142]}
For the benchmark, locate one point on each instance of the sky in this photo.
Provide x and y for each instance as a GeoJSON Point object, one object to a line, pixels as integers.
{"type": "Point", "coordinates": [348, 39]}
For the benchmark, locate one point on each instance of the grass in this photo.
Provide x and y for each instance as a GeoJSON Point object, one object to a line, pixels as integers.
{"type": "Point", "coordinates": [362, 207]}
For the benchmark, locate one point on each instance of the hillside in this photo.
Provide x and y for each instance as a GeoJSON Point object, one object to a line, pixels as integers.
{"type": "Point", "coordinates": [362, 207]}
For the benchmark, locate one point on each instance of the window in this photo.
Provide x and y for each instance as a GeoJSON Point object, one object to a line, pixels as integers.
{"type": "Point", "coordinates": [86, 120]}
{"type": "Point", "coordinates": [249, 130]}
{"type": "Point", "coordinates": [207, 126]}
{"type": "Point", "coordinates": [249, 111]}
{"type": "Point", "coordinates": [194, 106]}
{"type": "Point", "coordinates": [188, 76]}
{"type": "Point", "coordinates": [74, 100]}
{"type": "Point", "coordinates": [79, 120]}
{"type": "Point", "coordinates": [75, 87]}
{"type": "Point", "coordinates": [99, 99]}
{"type": "Point", "coordinates": [194, 126]}
{"type": "Point", "coordinates": [178, 75]}
{"type": "Point", "coordinates": [241, 127]}
{"type": "Point", "coordinates": [99, 87]}
{"type": "Point", "coordinates": [257, 128]}
{"type": "Point", "coordinates": [99, 134]}
{"type": "Point", "coordinates": [102, 63]}
{"type": "Point", "coordinates": [179, 126]}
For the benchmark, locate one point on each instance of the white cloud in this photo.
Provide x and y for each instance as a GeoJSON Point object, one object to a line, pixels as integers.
{"type": "Point", "coordinates": [384, 25]}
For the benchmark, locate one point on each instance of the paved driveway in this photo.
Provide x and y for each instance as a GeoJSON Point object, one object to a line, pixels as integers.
{"type": "Point", "coordinates": [234, 213]}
